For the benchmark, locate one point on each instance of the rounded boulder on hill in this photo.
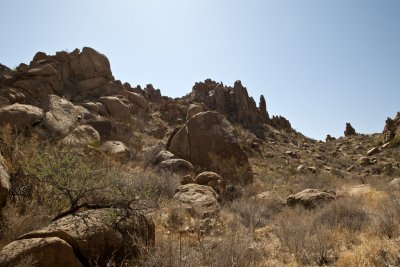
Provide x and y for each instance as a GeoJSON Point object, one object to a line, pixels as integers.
{"type": "Point", "coordinates": [209, 142]}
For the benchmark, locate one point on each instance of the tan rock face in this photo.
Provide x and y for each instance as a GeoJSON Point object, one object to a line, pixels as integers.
{"type": "Point", "coordinates": [310, 198]}
{"type": "Point", "coordinates": [82, 135]}
{"type": "Point", "coordinates": [116, 107]}
{"type": "Point", "coordinates": [208, 141]}
{"type": "Point", "coordinates": [117, 149]}
{"type": "Point", "coordinates": [137, 100]}
{"type": "Point", "coordinates": [4, 183]}
{"type": "Point", "coordinates": [176, 166]}
{"type": "Point", "coordinates": [61, 117]}
{"type": "Point", "coordinates": [198, 200]}
{"type": "Point", "coordinates": [211, 179]}
{"type": "Point", "coordinates": [44, 252]}
{"type": "Point", "coordinates": [20, 115]}
{"type": "Point", "coordinates": [193, 110]}
{"type": "Point", "coordinates": [96, 235]}
{"type": "Point", "coordinates": [90, 64]}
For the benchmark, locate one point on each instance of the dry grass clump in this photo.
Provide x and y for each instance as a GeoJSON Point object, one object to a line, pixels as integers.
{"type": "Point", "coordinates": [318, 236]}
{"type": "Point", "coordinates": [255, 213]}
{"type": "Point", "coordinates": [233, 247]}
{"type": "Point", "coordinates": [372, 252]}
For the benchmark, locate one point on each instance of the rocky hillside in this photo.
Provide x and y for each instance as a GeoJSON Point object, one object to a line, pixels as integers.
{"type": "Point", "coordinates": [104, 173]}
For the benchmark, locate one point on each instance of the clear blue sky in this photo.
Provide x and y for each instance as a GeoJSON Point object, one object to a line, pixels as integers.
{"type": "Point", "coordinates": [319, 63]}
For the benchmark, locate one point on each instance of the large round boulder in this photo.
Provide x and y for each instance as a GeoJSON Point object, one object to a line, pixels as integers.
{"type": "Point", "coordinates": [310, 198]}
{"type": "Point", "coordinates": [176, 166]}
{"type": "Point", "coordinates": [43, 252]}
{"type": "Point", "coordinates": [98, 235]}
{"type": "Point", "coordinates": [198, 200]}
{"type": "Point", "coordinates": [209, 142]}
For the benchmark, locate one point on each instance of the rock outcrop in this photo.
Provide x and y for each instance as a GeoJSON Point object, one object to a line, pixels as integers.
{"type": "Point", "coordinates": [234, 102]}
{"type": "Point", "coordinates": [208, 141]}
{"type": "Point", "coordinates": [392, 128]}
{"type": "Point", "coordinates": [349, 131]}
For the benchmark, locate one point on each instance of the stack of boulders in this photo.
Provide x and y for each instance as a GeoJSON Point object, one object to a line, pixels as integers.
{"type": "Point", "coordinates": [72, 97]}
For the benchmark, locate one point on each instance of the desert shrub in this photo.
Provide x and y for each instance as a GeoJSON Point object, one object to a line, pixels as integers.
{"type": "Point", "coordinates": [309, 240]}
{"type": "Point", "coordinates": [256, 213]}
{"type": "Point", "coordinates": [344, 214]}
{"type": "Point", "coordinates": [372, 251]}
{"type": "Point", "coordinates": [66, 177]}
{"type": "Point", "coordinates": [386, 220]}
{"type": "Point", "coordinates": [184, 249]}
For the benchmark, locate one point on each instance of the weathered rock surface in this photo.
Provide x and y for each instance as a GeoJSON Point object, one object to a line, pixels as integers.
{"type": "Point", "coordinates": [112, 130]}
{"type": "Point", "coordinates": [373, 151]}
{"type": "Point", "coordinates": [211, 179]}
{"type": "Point", "coordinates": [60, 118]}
{"type": "Point", "coordinates": [176, 166]}
{"type": "Point", "coordinates": [20, 115]}
{"type": "Point", "coordinates": [4, 183]}
{"type": "Point", "coordinates": [198, 200]}
{"type": "Point", "coordinates": [208, 141]}
{"type": "Point", "coordinates": [89, 64]}
{"type": "Point", "coordinates": [137, 100]}
{"type": "Point", "coordinates": [82, 135]}
{"type": "Point", "coordinates": [164, 155]}
{"type": "Point", "coordinates": [116, 107]}
{"type": "Point", "coordinates": [117, 149]}
{"type": "Point", "coordinates": [193, 110]}
{"type": "Point", "coordinates": [310, 198]}
{"type": "Point", "coordinates": [43, 252]}
{"type": "Point", "coordinates": [97, 235]}
{"type": "Point", "coordinates": [187, 179]}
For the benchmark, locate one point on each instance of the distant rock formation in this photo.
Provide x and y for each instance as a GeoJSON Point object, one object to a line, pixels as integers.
{"type": "Point", "coordinates": [392, 128]}
{"type": "Point", "coordinates": [234, 102]}
{"type": "Point", "coordinates": [349, 131]}
{"type": "Point", "coordinates": [281, 123]}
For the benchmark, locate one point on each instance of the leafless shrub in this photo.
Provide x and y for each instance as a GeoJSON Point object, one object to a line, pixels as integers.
{"type": "Point", "coordinates": [344, 214]}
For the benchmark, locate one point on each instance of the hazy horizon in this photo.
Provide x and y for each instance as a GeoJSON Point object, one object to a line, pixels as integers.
{"type": "Point", "coordinates": [320, 64]}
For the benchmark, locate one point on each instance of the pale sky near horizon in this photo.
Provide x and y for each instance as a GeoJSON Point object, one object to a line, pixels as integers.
{"type": "Point", "coordinates": [319, 63]}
